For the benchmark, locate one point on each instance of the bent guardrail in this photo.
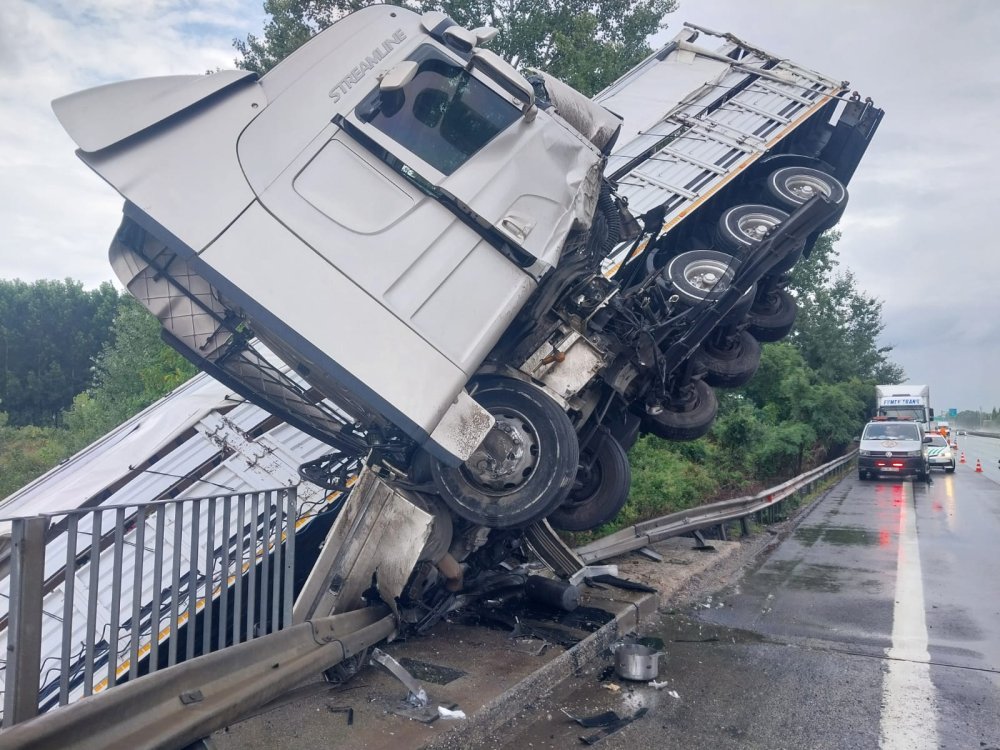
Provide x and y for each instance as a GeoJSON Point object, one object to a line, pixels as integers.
{"type": "Point", "coordinates": [100, 596]}
{"type": "Point", "coordinates": [704, 516]}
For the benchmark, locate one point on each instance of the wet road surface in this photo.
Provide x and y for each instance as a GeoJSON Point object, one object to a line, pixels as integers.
{"type": "Point", "coordinates": [875, 624]}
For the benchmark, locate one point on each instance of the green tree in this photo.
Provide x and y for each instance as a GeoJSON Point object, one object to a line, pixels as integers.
{"type": "Point", "coordinates": [838, 325]}
{"type": "Point", "coordinates": [134, 369]}
{"type": "Point", "coordinates": [49, 333]}
{"type": "Point", "coordinates": [586, 44]}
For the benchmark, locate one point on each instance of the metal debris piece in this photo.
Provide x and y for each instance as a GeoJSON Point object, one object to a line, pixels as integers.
{"type": "Point", "coordinates": [530, 645]}
{"type": "Point", "coordinates": [417, 696]}
{"type": "Point", "coordinates": [593, 739]}
{"type": "Point", "coordinates": [605, 719]}
{"type": "Point", "coordinates": [622, 583]}
{"type": "Point", "coordinates": [590, 571]}
{"type": "Point", "coordinates": [651, 553]}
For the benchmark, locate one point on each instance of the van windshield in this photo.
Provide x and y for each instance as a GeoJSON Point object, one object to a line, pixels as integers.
{"type": "Point", "coordinates": [891, 431]}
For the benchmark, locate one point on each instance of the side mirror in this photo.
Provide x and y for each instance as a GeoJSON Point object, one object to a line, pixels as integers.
{"type": "Point", "coordinates": [398, 76]}
{"type": "Point", "coordinates": [504, 74]}
{"type": "Point", "coordinates": [857, 439]}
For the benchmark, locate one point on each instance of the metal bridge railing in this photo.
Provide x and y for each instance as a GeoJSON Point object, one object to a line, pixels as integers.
{"type": "Point", "coordinates": [104, 595]}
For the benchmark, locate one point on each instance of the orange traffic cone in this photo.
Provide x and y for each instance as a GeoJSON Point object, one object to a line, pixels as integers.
{"type": "Point", "coordinates": [962, 459]}
{"type": "Point", "coordinates": [979, 467]}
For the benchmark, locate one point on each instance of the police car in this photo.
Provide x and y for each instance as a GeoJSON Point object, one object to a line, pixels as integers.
{"type": "Point", "coordinates": [893, 447]}
{"type": "Point", "coordinates": [940, 454]}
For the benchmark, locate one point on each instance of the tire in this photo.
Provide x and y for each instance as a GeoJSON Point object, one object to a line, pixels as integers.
{"type": "Point", "coordinates": [600, 492]}
{"type": "Point", "coordinates": [742, 228]}
{"type": "Point", "coordinates": [691, 423]}
{"type": "Point", "coordinates": [700, 275]}
{"type": "Point", "coordinates": [731, 364]}
{"type": "Point", "coordinates": [774, 318]}
{"type": "Point", "coordinates": [791, 187]}
{"type": "Point", "coordinates": [492, 488]}
{"type": "Point", "coordinates": [862, 475]}
{"type": "Point", "coordinates": [950, 469]}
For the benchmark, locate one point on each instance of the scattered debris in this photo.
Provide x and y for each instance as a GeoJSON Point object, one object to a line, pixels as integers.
{"type": "Point", "coordinates": [622, 583]}
{"type": "Point", "coordinates": [614, 687]}
{"type": "Point", "coordinates": [674, 694]}
{"type": "Point", "coordinates": [447, 713]}
{"type": "Point", "coordinates": [593, 572]}
{"type": "Point", "coordinates": [658, 685]}
{"type": "Point", "coordinates": [651, 553]}
{"type": "Point", "coordinates": [593, 739]}
{"type": "Point", "coordinates": [605, 719]}
{"type": "Point", "coordinates": [417, 696]}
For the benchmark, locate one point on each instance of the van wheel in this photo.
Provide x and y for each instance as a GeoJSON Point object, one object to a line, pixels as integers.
{"type": "Point", "coordinates": [525, 466]}
{"type": "Point", "coordinates": [731, 362]}
{"type": "Point", "coordinates": [688, 420]}
{"type": "Point", "coordinates": [601, 487]}
{"type": "Point", "coordinates": [773, 318]}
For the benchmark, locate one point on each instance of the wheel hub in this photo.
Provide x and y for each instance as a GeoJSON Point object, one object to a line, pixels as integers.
{"type": "Point", "coordinates": [506, 457]}
{"type": "Point", "coordinates": [806, 186]}
{"type": "Point", "coordinates": [757, 226]}
{"type": "Point", "coordinates": [705, 275]}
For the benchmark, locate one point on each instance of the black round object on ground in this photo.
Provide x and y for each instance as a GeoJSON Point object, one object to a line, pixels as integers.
{"type": "Point", "coordinates": [525, 466]}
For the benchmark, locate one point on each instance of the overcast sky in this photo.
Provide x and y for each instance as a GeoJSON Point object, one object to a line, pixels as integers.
{"type": "Point", "coordinates": [920, 231]}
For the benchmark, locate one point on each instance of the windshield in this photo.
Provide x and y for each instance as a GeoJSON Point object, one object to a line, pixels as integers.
{"type": "Point", "coordinates": [443, 115]}
{"type": "Point", "coordinates": [916, 413]}
{"type": "Point", "coordinates": [891, 431]}
{"type": "Point", "coordinates": [939, 441]}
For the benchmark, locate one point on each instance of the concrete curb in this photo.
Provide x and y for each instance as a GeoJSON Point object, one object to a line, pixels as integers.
{"type": "Point", "coordinates": [498, 712]}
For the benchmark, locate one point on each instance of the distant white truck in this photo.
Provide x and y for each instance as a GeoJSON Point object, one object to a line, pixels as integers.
{"type": "Point", "coordinates": [906, 401]}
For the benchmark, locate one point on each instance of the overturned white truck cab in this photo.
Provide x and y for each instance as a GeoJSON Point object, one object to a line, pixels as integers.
{"type": "Point", "coordinates": [446, 253]}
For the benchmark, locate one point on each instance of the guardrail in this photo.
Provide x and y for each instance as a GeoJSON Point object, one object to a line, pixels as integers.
{"type": "Point", "coordinates": [984, 434]}
{"type": "Point", "coordinates": [705, 516]}
{"type": "Point", "coordinates": [101, 596]}
{"type": "Point", "coordinates": [243, 533]}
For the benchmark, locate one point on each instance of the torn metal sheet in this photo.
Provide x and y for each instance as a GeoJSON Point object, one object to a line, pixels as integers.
{"type": "Point", "coordinates": [379, 534]}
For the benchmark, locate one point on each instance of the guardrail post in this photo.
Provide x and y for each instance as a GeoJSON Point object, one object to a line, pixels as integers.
{"type": "Point", "coordinates": [24, 638]}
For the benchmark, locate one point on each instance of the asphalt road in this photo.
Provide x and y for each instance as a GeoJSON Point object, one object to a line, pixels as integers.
{"type": "Point", "coordinates": [875, 624]}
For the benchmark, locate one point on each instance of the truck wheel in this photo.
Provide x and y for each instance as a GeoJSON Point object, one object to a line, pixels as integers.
{"type": "Point", "coordinates": [773, 318]}
{"type": "Point", "coordinates": [862, 475]}
{"type": "Point", "coordinates": [601, 487]}
{"type": "Point", "coordinates": [690, 422]}
{"type": "Point", "coordinates": [791, 187]}
{"type": "Point", "coordinates": [742, 228]}
{"type": "Point", "coordinates": [525, 466]}
{"type": "Point", "coordinates": [950, 469]}
{"type": "Point", "coordinates": [699, 275]}
{"type": "Point", "coordinates": [731, 362]}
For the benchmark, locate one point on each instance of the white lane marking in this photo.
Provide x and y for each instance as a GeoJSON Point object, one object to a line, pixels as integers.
{"type": "Point", "coordinates": [909, 709]}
